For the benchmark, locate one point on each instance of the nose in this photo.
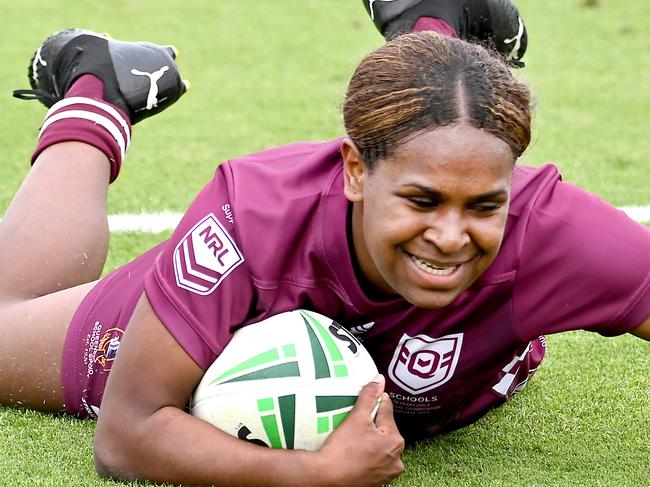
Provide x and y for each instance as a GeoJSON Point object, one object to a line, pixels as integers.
{"type": "Point", "coordinates": [447, 231]}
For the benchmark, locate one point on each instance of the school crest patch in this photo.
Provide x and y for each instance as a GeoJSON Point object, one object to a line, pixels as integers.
{"type": "Point", "coordinates": [422, 363]}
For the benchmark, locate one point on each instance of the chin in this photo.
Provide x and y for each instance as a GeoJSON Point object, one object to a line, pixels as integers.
{"type": "Point", "coordinates": [431, 299]}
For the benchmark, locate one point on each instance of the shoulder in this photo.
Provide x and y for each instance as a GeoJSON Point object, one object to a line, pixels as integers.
{"type": "Point", "coordinates": [282, 182]}
{"type": "Point", "coordinates": [305, 162]}
{"type": "Point", "coordinates": [550, 210]}
{"type": "Point", "coordinates": [580, 262]}
{"type": "Point", "coordinates": [277, 201]}
{"type": "Point", "coordinates": [278, 188]}
{"type": "Point", "coordinates": [530, 185]}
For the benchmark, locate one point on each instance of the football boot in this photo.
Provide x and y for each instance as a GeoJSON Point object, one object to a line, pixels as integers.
{"type": "Point", "coordinates": [495, 22]}
{"type": "Point", "coordinates": [139, 77]}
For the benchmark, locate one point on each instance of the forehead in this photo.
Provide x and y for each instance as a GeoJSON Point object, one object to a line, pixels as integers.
{"type": "Point", "coordinates": [458, 157]}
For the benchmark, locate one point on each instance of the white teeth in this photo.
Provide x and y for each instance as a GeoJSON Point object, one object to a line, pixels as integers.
{"type": "Point", "coordinates": [431, 269]}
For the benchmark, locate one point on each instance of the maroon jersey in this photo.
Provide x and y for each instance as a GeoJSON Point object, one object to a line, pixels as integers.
{"type": "Point", "coordinates": [270, 234]}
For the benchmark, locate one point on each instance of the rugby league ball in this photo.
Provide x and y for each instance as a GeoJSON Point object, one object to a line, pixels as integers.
{"type": "Point", "coordinates": [284, 382]}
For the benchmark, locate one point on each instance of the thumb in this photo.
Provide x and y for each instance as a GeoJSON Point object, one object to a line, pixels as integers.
{"type": "Point", "coordinates": [369, 396]}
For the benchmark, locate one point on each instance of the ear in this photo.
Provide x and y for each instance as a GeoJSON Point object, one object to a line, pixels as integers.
{"type": "Point", "coordinates": [354, 171]}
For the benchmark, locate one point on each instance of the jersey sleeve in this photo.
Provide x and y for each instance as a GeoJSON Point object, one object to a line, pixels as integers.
{"type": "Point", "coordinates": [583, 265]}
{"type": "Point", "coordinates": [200, 287]}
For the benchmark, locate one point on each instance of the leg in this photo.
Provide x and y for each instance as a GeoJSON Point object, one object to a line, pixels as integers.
{"type": "Point", "coordinates": [55, 232]}
{"type": "Point", "coordinates": [33, 332]}
{"type": "Point", "coordinates": [54, 237]}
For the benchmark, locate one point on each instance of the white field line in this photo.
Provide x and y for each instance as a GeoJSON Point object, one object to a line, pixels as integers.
{"type": "Point", "coordinates": [160, 222]}
{"type": "Point", "coordinates": [144, 222]}
{"type": "Point", "coordinates": [167, 220]}
{"type": "Point", "coordinates": [638, 213]}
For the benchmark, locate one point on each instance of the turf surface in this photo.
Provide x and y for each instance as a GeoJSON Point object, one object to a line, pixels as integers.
{"type": "Point", "coordinates": [266, 73]}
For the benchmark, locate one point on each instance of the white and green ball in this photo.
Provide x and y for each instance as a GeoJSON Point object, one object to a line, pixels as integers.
{"type": "Point", "coordinates": [285, 382]}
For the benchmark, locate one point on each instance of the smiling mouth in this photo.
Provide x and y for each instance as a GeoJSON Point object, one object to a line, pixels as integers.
{"type": "Point", "coordinates": [433, 269]}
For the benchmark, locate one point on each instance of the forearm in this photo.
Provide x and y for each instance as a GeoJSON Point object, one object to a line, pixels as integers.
{"type": "Point", "coordinates": [172, 446]}
{"type": "Point", "coordinates": [143, 431]}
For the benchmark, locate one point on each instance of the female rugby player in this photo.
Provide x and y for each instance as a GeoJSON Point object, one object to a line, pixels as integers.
{"type": "Point", "coordinates": [416, 230]}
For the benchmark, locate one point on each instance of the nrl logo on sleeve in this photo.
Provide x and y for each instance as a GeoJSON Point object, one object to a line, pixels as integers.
{"type": "Point", "coordinates": [422, 363]}
{"type": "Point", "coordinates": [205, 257]}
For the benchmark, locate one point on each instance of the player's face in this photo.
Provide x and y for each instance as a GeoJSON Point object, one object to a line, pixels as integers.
{"type": "Point", "coordinates": [428, 221]}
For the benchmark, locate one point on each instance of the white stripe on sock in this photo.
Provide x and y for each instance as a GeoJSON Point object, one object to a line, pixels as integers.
{"type": "Point", "coordinates": [73, 100]}
{"type": "Point", "coordinates": [107, 123]}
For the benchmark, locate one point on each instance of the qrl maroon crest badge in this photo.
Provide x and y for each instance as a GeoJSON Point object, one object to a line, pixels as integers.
{"type": "Point", "coordinates": [205, 256]}
{"type": "Point", "coordinates": [422, 363]}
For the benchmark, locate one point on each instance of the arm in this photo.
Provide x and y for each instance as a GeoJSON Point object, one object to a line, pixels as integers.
{"type": "Point", "coordinates": [643, 331]}
{"type": "Point", "coordinates": [144, 432]}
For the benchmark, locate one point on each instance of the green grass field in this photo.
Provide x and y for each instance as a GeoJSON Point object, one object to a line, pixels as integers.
{"type": "Point", "coordinates": [267, 73]}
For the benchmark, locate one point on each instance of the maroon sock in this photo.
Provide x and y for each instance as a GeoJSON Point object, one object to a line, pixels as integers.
{"type": "Point", "coordinates": [434, 24]}
{"type": "Point", "coordinates": [84, 116]}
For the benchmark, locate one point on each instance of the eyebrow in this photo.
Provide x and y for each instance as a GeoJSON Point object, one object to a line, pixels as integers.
{"type": "Point", "coordinates": [432, 193]}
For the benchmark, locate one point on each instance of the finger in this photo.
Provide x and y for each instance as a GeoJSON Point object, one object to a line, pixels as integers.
{"type": "Point", "coordinates": [385, 418]}
{"type": "Point", "coordinates": [368, 396]}
{"type": "Point", "coordinates": [373, 413]}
